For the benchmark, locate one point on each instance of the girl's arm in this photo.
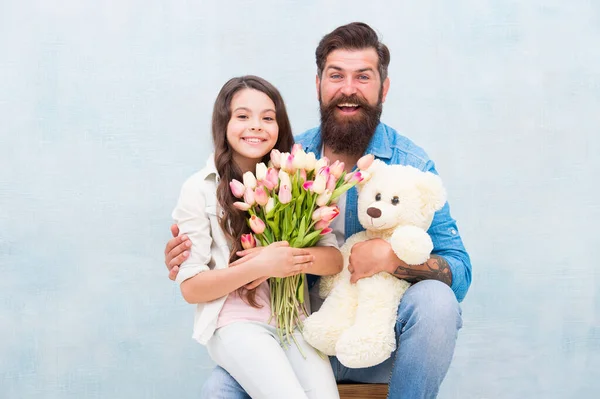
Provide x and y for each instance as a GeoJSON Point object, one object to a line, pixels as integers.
{"type": "Point", "coordinates": [198, 282]}
{"type": "Point", "coordinates": [328, 261]}
{"type": "Point", "coordinates": [276, 260]}
{"type": "Point", "coordinates": [210, 285]}
{"type": "Point", "coordinates": [328, 258]}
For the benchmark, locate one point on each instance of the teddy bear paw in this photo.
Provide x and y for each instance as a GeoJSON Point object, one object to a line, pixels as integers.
{"type": "Point", "coordinates": [320, 333]}
{"type": "Point", "coordinates": [358, 349]}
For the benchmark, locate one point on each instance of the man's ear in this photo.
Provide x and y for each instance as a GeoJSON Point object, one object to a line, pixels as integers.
{"type": "Point", "coordinates": [318, 84]}
{"type": "Point", "coordinates": [384, 89]}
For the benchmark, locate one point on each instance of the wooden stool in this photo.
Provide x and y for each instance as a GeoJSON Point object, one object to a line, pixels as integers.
{"type": "Point", "coordinates": [363, 391]}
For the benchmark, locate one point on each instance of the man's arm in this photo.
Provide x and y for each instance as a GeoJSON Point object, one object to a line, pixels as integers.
{"type": "Point", "coordinates": [449, 262]}
{"type": "Point", "coordinates": [436, 268]}
{"type": "Point", "coordinates": [373, 256]}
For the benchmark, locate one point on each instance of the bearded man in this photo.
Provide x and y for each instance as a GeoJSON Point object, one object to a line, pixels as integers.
{"type": "Point", "coordinates": [352, 85]}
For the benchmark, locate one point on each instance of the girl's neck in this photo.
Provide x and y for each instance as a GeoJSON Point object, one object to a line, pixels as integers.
{"type": "Point", "coordinates": [245, 164]}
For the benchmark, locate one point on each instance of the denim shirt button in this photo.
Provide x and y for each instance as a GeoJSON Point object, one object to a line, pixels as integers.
{"type": "Point", "coordinates": [453, 232]}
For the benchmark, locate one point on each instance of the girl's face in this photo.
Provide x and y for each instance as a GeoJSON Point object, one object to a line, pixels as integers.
{"type": "Point", "coordinates": [252, 130]}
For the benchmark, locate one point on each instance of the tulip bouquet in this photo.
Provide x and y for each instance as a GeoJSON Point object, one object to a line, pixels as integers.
{"type": "Point", "coordinates": [292, 199]}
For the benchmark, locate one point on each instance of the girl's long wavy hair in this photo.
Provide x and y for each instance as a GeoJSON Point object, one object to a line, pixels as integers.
{"type": "Point", "coordinates": [233, 221]}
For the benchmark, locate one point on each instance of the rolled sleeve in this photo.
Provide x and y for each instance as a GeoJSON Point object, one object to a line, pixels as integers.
{"type": "Point", "coordinates": [448, 244]}
{"type": "Point", "coordinates": [328, 240]}
{"type": "Point", "coordinates": [192, 220]}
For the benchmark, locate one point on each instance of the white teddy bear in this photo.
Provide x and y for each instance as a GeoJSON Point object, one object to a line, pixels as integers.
{"type": "Point", "coordinates": [356, 322]}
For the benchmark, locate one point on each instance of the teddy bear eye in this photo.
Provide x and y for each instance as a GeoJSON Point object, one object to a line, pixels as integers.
{"type": "Point", "coordinates": [378, 197]}
{"type": "Point", "coordinates": [395, 201]}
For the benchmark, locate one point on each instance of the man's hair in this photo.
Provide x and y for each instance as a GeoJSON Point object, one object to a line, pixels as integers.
{"type": "Point", "coordinates": [354, 36]}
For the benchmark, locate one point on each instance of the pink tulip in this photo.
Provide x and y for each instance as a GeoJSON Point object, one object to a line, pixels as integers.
{"type": "Point", "coordinates": [287, 162]}
{"type": "Point", "coordinates": [319, 184]}
{"type": "Point", "coordinates": [248, 241]}
{"type": "Point", "coordinates": [324, 197]}
{"type": "Point", "coordinates": [336, 169]}
{"type": "Point", "coordinates": [272, 179]}
{"type": "Point", "coordinates": [284, 179]}
{"type": "Point", "coordinates": [321, 162]}
{"type": "Point", "coordinates": [299, 161]}
{"type": "Point", "coordinates": [321, 224]}
{"type": "Point", "coordinates": [354, 177]}
{"type": "Point", "coordinates": [310, 162]}
{"type": "Point", "coordinates": [307, 185]}
{"type": "Point", "coordinates": [303, 174]}
{"type": "Point", "coordinates": [331, 183]}
{"type": "Point", "coordinates": [365, 176]}
{"type": "Point", "coordinates": [260, 196]}
{"type": "Point", "coordinates": [365, 161]}
{"type": "Point", "coordinates": [242, 206]}
{"type": "Point", "coordinates": [329, 213]}
{"type": "Point", "coordinates": [261, 171]}
{"type": "Point", "coordinates": [326, 230]}
{"type": "Point", "coordinates": [237, 188]}
{"type": "Point", "coordinates": [316, 216]}
{"type": "Point", "coordinates": [275, 158]}
{"type": "Point", "coordinates": [296, 147]}
{"type": "Point", "coordinates": [325, 172]}
{"type": "Point", "coordinates": [249, 180]}
{"type": "Point", "coordinates": [326, 213]}
{"type": "Point", "coordinates": [285, 194]}
{"type": "Point", "coordinates": [257, 225]}
{"type": "Point", "coordinates": [249, 197]}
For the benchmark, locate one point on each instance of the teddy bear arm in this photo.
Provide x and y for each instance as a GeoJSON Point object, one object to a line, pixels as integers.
{"type": "Point", "coordinates": [411, 244]}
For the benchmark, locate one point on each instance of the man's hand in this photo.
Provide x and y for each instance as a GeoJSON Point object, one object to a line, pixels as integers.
{"type": "Point", "coordinates": [371, 257]}
{"type": "Point", "coordinates": [176, 251]}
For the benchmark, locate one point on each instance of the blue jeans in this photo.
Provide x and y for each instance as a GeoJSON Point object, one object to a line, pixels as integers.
{"type": "Point", "coordinates": [429, 318]}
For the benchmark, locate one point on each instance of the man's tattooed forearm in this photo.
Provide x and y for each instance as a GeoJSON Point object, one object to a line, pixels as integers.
{"type": "Point", "coordinates": [436, 268]}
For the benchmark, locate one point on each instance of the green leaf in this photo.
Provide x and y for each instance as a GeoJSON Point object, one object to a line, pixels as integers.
{"type": "Point", "coordinates": [300, 291]}
{"type": "Point", "coordinates": [310, 237]}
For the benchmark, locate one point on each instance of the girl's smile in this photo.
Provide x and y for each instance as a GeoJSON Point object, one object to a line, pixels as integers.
{"type": "Point", "coordinates": [252, 130]}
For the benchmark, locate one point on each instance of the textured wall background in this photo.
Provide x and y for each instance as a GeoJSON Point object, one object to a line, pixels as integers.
{"type": "Point", "coordinates": [105, 109]}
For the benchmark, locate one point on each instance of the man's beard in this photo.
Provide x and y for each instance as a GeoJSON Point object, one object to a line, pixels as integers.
{"type": "Point", "coordinates": [349, 135]}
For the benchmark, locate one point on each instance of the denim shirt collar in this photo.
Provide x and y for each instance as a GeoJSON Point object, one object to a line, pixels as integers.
{"type": "Point", "coordinates": [378, 146]}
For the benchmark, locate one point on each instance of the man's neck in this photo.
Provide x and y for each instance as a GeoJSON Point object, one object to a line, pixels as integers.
{"type": "Point", "coordinates": [348, 160]}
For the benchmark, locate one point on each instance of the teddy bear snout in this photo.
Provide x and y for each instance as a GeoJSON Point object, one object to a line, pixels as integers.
{"type": "Point", "coordinates": [374, 212]}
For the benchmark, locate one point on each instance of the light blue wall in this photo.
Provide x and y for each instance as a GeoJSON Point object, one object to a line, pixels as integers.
{"type": "Point", "coordinates": [105, 110]}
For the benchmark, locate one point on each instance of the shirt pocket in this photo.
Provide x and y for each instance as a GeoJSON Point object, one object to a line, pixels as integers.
{"type": "Point", "coordinates": [215, 228]}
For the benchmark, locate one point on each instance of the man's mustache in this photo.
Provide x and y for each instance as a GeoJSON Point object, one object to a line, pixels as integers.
{"type": "Point", "coordinates": [353, 99]}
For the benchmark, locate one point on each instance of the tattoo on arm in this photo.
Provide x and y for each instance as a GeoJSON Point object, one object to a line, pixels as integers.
{"type": "Point", "coordinates": [436, 268]}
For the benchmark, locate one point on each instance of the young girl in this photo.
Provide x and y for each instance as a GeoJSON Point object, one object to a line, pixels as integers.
{"type": "Point", "coordinates": [229, 284]}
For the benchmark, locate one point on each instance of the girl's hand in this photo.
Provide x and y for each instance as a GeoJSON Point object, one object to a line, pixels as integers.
{"type": "Point", "coordinates": [280, 260]}
{"type": "Point", "coordinates": [276, 260]}
{"type": "Point", "coordinates": [245, 256]}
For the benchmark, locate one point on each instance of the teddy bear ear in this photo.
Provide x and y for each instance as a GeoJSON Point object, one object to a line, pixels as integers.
{"type": "Point", "coordinates": [433, 193]}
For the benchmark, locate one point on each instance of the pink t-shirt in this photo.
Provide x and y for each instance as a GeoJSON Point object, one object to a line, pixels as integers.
{"type": "Point", "coordinates": [235, 309]}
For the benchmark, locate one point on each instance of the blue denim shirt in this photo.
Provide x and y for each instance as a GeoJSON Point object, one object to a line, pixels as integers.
{"type": "Point", "coordinates": [392, 148]}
